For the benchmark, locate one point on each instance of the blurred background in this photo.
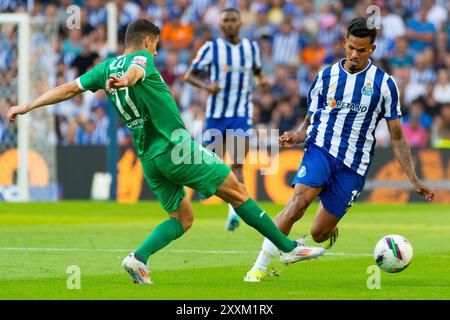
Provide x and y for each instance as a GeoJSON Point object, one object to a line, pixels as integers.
{"type": "Point", "coordinates": [297, 38]}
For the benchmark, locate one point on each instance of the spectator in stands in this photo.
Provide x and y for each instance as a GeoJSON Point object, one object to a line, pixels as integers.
{"type": "Point", "coordinates": [86, 59]}
{"type": "Point", "coordinates": [414, 132]}
{"type": "Point", "coordinates": [412, 89]}
{"type": "Point", "coordinates": [401, 58]}
{"type": "Point", "coordinates": [278, 88]}
{"type": "Point", "coordinates": [330, 31]}
{"type": "Point", "coordinates": [286, 45]}
{"type": "Point", "coordinates": [262, 27]}
{"type": "Point", "coordinates": [441, 91]}
{"type": "Point", "coordinates": [437, 14]}
{"type": "Point", "coordinates": [417, 110]}
{"type": "Point", "coordinates": [168, 70]}
{"type": "Point", "coordinates": [392, 24]}
{"type": "Point", "coordinates": [420, 29]}
{"type": "Point", "coordinates": [128, 11]}
{"type": "Point", "coordinates": [266, 104]}
{"type": "Point", "coordinates": [177, 35]}
{"type": "Point", "coordinates": [314, 54]}
{"type": "Point", "coordinates": [72, 46]}
{"type": "Point", "coordinates": [85, 133]}
{"type": "Point", "coordinates": [419, 32]}
{"type": "Point", "coordinates": [283, 117]}
{"type": "Point", "coordinates": [124, 136]}
{"type": "Point", "coordinates": [268, 66]}
{"type": "Point", "coordinates": [442, 129]}
{"type": "Point", "coordinates": [96, 12]}
{"type": "Point", "coordinates": [385, 47]}
{"type": "Point", "coordinates": [422, 72]}
{"type": "Point", "coordinates": [70, 134]}
{"type": "Point", "coordinates": [101, 124]}
{"type": "Point", "coordinates": [276, 14]}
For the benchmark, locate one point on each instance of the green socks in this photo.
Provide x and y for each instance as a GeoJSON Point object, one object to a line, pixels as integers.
{"type": "Point", "coordinates": [161, 236]}
{"type": "Point", "coordinates": [255, 216]}
{"type": "Point", "coordinates": [250, 212]}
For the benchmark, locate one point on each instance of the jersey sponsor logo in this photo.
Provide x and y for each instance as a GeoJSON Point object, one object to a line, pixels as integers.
{"type": "Point", "coordinates": [140, 60]}
{"type": "Point", "coordinates": [233, 68]}
{"type": "Point", "coordinates": [333, 104]}
{"type": "Point", "coordinates": [302, 172]}
{"type": "Point", "coordinates": [137, 123]}
{"type": "Point", "coordinates": [367, 90]}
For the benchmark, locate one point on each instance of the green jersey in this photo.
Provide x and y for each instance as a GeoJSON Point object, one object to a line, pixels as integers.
{"type": "Point", "coordinates": [147, 108]}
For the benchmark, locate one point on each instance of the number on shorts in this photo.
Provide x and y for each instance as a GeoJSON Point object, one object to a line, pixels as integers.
{"type": "Point", "coordinates": [355, 195]}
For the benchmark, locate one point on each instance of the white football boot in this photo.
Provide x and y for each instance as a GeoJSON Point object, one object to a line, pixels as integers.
{"type": "Point", "coordinates": [136, 269]}
{"type": "Point", "coordinates": [301, 252]}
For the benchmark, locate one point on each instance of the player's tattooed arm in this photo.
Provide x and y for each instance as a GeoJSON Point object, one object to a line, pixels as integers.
{"type": "Point", "coordinates": [402, 153]}
{"type": "Point", "coordinates": [60, 93]}
{"type": "Point", "coordinates": [290, 138]}
{"type": "Point", "coordinates": [192, 76]}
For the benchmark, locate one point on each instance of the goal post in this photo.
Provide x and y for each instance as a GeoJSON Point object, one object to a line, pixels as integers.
{"type": "Point", "coordinates": [22, 20]}
{"type": "Point", "coordinates": [28, 164]}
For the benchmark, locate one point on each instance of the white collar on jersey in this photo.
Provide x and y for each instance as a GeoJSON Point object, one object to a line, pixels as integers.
{"type": "Point", "coordinates": [341, 63]}
{"type": "Point", "coordinates": [230, 44]}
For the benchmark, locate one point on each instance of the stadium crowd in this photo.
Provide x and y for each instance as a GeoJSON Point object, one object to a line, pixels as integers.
{"type": "Point", "coordinates": [297, 38]}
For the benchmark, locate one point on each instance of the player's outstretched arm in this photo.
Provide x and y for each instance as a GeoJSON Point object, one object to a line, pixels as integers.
{"type": "Point", "coordinates": [192, 77]}
{"type": "Point", "coordinates": [289, 138]}
{"type": "Point", "coordinates": [63, 92]}
{"type": "Point", "coordinates": [402, 153]}
{"type": "Point", "coordinates": [130, 78]}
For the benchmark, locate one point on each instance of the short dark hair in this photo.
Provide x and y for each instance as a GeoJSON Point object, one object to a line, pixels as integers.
{"type": "Point", "coordinates": [138, 30]}
{"type": "Point", "coordinates": [359, 28]}
{"type": "Point", "coordinates": [232, 10]}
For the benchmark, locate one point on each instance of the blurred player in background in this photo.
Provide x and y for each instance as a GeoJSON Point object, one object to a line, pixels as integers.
{"type": "Point", "coordinates": [170, 158]}
{"type": "Point", "coordinates": [345, 103]}
{"type": "Point", "coordinates": [231, 62]}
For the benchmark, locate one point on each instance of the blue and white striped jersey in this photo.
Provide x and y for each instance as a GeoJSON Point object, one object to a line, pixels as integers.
{"type": "Point", "coordinates": [345, 109]}
{"type": "Point", "coordinates": [232, 66]}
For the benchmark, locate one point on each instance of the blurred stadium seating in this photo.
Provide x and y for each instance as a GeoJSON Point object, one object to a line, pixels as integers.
{"type": "Point", "coordinates": [413, 45]}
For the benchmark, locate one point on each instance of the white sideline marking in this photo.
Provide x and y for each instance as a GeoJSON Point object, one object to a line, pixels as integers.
{"type": "Point", "coordinates": [174, 251]}
{"type": "Point", "coordinates": [342, 254]}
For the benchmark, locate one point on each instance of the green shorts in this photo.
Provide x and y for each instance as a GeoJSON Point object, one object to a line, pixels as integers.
{"type": "Point", "coordinates": [186, 164]}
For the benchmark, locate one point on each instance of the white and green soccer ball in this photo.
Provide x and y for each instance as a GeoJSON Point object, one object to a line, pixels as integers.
{"type": "Point", "coordinates": [393, 253]}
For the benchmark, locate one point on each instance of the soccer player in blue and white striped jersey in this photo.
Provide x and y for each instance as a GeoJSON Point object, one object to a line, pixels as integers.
{"type": "Point", "coordinates": [345, 104]}
{"type": "Point", "coordinates": [231, 63]}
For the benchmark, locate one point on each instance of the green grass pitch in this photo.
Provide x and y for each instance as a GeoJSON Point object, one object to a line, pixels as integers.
{"type": "Point", "coordinates": [39, 241]}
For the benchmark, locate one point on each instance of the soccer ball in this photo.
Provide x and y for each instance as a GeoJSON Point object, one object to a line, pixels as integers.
{"type": "Point", "coordinates": [393, 253]}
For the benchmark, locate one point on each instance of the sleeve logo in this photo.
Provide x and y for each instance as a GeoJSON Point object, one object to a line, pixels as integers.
{"type": "Point", "coordinates": [140, 60]}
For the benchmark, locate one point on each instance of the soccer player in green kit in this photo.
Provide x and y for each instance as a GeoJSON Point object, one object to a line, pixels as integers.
{"type": "Point", "coordinates": [145, 105]}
